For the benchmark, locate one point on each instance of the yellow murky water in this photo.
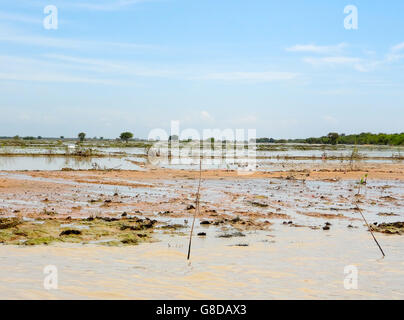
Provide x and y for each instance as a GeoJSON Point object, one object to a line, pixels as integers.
{"type": "Point", "coordinates": [300, 264]}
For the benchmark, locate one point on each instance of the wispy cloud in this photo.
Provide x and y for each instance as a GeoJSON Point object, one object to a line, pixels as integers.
{"type": "Point", "coordinates": [392, 56]}
{"type": "Point", "coordinates": [52, 77]}
{"type": "Point", "coordinates": [337, 61]}
{"type": "Point", "coordinates": [206, 116]}
{"type": "Point", "coordinates": [395, 53]}
{"type": "Point", "coordinates": [113, 67]}
{"type": "Point", "coordinates": [52, 42]}
{"type": "Point", "coordinates": [92, 5]}
{"type": "Point", "coordinates": [61, 68]}
{"type": "Point", "coordinates": [103, 5]}
{"type": "Point", "coordinates": [358, 64]}
{"type": "Point", "coordinates": [251, 76]}
{"type": "Point", "coordinates": [36, 70]}
{"type": "Point", "coordinates": [184, 72]}
{"type": "Point", "coordinates": [398, 47]}
{"type": "Point", "coordinates": [19, 18]}
{"type": "Point", "coordinates": [332, 55]}
{"type": "Point", "coordinates": [332, 60]}
{"type": "Point", "coordinates": [366, 63]}
{"type": "Point", "coordinates": [311, 48]}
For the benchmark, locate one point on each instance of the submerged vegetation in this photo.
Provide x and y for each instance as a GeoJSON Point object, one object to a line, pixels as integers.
{"type": "Point", "coordinates": [108, 231]}
{"type": "Point", "coordinates": [389, 228]}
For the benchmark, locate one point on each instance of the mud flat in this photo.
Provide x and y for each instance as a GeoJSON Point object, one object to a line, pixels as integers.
{"type": "Point", "coordinates": [269, 234]}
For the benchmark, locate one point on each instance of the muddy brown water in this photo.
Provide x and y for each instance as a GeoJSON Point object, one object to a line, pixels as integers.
{"type": "Point", "coordinates": [282, 264]}
{"type": "Point", "coordinates": [281, 158]}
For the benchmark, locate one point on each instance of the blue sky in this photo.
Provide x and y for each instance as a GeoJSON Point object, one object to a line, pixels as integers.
{"type": "Point", "coordinates": [285, 68]}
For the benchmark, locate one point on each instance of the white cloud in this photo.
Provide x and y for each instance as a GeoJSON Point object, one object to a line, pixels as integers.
{"type": "Point", "coordinates": [395, 53]}
{"type": "Point", "coordinates": [52, 77]}
{"type": "Point", "coordinates": [317, 49]}
{"type": "Point", "coordinates": [332, 60]}
{"type": "Point", "coordinates": [35, 70]}
{"type": "Point", "coordinates": [357, 63]}
{"type": "Point", "coordinates": [398, 47]}
{"type": "Point", "coordinates": [19, 18]}
{"type": "Point", "coordinates": [51, 42]}
{"type": "Point", "coordinates": [113, 67]}
{"type": "Point", "coordinates": [96, 5]}
{"type": "Point", "coordinates": [365, 64]}
{"type": "Point", "coordinates": [103, 5]}
{"type": "Point", "coordinates": [63, 68]}
{"type": "Point", "coordinates": [250, 76]}
{"type": "Point", "coordinates": [206, 115]}
{"type": "Point", "coordinates": [128, 68]}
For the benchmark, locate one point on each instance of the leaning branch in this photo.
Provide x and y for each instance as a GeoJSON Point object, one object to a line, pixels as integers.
{"type": "Point", "coordinates": [197, 208]}
{"type": "Point", "coordinates": [370, 229]}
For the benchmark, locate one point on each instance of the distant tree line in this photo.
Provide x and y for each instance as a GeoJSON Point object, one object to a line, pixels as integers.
{"type": "Point", "coordinates": [394, 139]}
{"type": "Point", "coordinates": [124, 136]}
{"type": "Point", "coordinates": [333, 138]}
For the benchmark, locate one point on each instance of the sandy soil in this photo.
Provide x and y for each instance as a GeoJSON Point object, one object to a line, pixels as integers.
{"type": "Point", "coordinates": [171, 193]}
{"type": "Point", "coordinates": [374, 171]}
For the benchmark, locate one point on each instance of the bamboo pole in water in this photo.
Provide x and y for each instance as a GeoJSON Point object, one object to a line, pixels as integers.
{"type": "Point", "coordinates": [197, 201]}
{"type": "Point", "coordinates": [364, 182]}
{"type": "Point", "coordinates": [370, 229]}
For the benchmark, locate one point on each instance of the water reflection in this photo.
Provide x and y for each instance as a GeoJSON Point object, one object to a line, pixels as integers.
{"type": "Point", "coordinates": [275, 159]}
{"type": "Point", "coordinates": [59, 162]}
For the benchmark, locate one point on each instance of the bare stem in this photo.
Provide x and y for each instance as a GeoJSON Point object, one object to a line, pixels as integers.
{"type": "Point", "coordinates": [370, 229]}
{"type": "Point", "coordinates": [197, 208]}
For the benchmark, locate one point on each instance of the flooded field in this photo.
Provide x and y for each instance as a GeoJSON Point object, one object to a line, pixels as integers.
{"type": "Point", "coordinates": [276, 265]}
{"type": "Point", "coordinates": [22, 162]}
{"type": "Point", "coordinates": [117, 227]}
{"type": "Point", "coordinates": [270, 157]}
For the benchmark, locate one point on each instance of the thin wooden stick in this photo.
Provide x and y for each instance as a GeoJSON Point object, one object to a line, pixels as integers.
{"type": "Point", "coordinates": [364, 219]}
{"type": "Point", "coordinates": [196, 207]}
{"type": "Point", "coordinates": [370, 229]}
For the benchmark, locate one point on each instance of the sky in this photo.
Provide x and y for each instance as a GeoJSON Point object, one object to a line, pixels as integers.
{"type": "Point", "coordinates": [288, 69]}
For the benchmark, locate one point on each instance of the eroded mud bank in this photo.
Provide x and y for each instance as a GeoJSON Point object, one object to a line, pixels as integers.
{"type": "Point", "coordinates": [318, 200]}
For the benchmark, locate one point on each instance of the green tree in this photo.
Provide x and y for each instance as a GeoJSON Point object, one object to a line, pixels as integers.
{"type": "Point", "coordinates": [333, 137]}
{"type": "Point", "coordinates": [81, 136]}
{"type": "Point", "coordinates": [125, 136]}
